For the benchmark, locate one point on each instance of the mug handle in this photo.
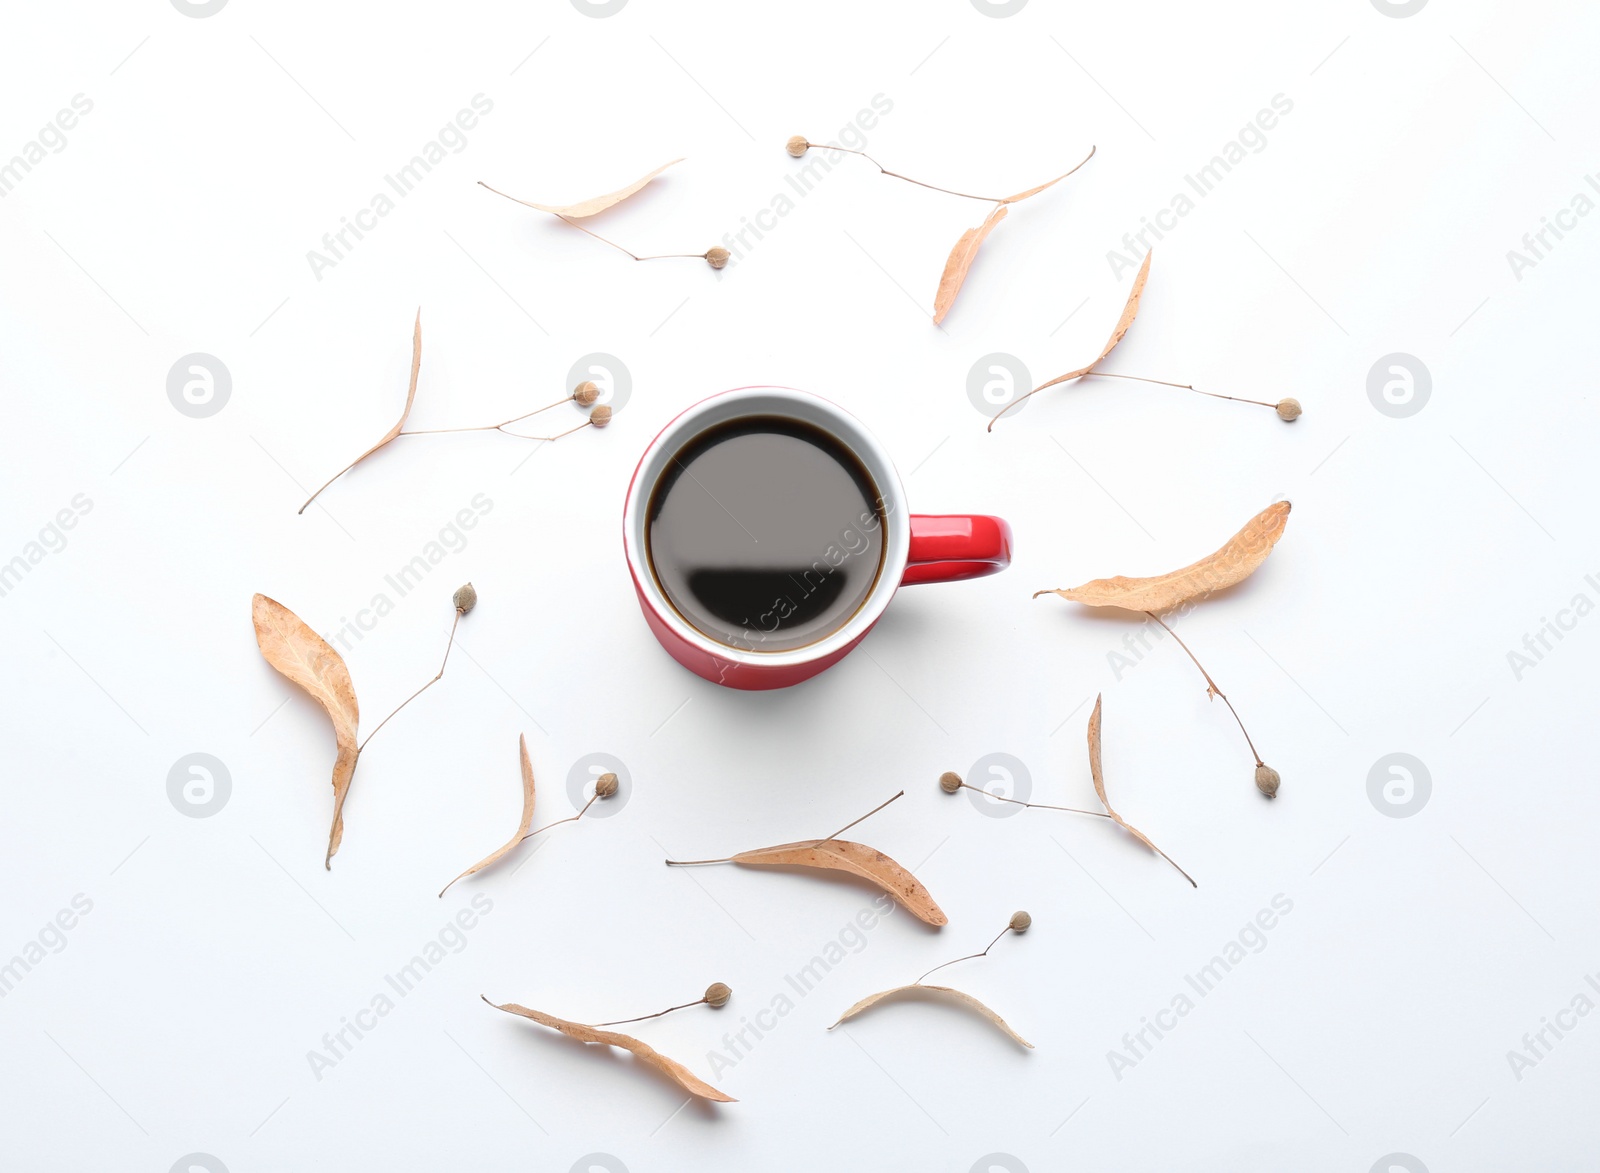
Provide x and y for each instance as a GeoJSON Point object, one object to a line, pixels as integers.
{"type": "Point", "coordinates": [947, 547]}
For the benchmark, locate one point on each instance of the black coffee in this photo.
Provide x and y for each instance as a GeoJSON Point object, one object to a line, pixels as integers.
{"type": "Point", "coordinates": [765, 534]}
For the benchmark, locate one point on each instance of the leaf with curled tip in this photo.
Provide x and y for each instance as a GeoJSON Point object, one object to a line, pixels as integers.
{"type": "Point", "coordinates": [1033, 191]}
{"type": "Point", "coordinates": [858, 860]}
{"type": "Point", "coordinates": [671, 1068]}
{"type": "Point", "coordinates": [405, 412]}
{"type": "Point", "coordinates": [1130, 310]}
{"type": "Point", "coordinates": [960, 261]}
{"type": "Point", "coordinates": [962, 998]}
{"type": "Point", "coordinates": [522, 827]}
{"type": "Point", "coordinates": [305, 658]}
{"type": "Point", "coordinates": [594, 206]}
{"type": "Point", "coordinates": [1233, 563]}
{"type": "Point", "coordinates": [1100, 789]}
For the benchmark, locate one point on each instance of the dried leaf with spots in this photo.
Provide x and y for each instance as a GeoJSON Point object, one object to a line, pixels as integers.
{"type": "Point", "coordinates": [522, 827]}
{"type": "Point", "coordinates": [857, 859]}
{"type": "Point", "coordinates": [671, 1068]}
{"type": "Point", "coordinates": [841, 855]}
{"type": "Point", "coordinates": [1233, 563]}
{"type": "Point", "coordinates": [411, 395]}
{"type": "Point", "coordinates": [596, 205]}
{"type": "Point", "coordinates": [960, 261]}
{"type": "Point", "coordinates": [1100, 789]}
{"type": "Point", "coordinates": [302, 656]}
{"type": "Point", "coordinates": [1130, 310]}
{"type": "Point", "coordinates": [961, 998]}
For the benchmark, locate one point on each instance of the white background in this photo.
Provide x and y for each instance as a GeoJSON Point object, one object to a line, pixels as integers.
{"type": "Point", "coordinates": [179, 1015]}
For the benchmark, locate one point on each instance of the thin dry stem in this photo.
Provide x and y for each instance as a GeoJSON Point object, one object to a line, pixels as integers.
{"type": "Point", "coordinates": [499, 427]}
{"type": "Point", "coordinates": [448, 645]}
{"type": "Point", "coordinates": [684, 863]}
{"type": "Point", "coordinates": [933, 187]}
{"type": "Point", "coordinates": [1211, 686]}
{"type": "Point", "coordinates": [863, 818]}
{"type": "Point", "coordinates": [557, 436]}
{"type": "Point", "coordinates": [1044, 806]}
{"type": "Point", "coordinates": [968, 957]}
{"type": "Point", "coordinates": [1181, 386]}
{"type": "Point", "coordinates": [558, 822]}
{"type": "Point", "coordinates": [657, 1014]}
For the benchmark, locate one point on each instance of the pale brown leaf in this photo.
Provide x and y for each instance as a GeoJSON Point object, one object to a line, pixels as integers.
{"type": "Point", "coordinates": [961, 258]}
{"type": "Point", "coordinates": [522, 827]}
{"type": "Point", "coordinates": [1100, 789]}
{"type": "Point", "coordinates": [961, 998]}
{"type": "Point", "coordinates": [1232, 564]}
{"type": "Point", "coordinates": [1033, 191]}
{"type": "Point", "coordinates": [596, 205]}
{"type": "Point", "coordinates": [305, 658]}
{"type": "Point", "coordinates": [405, 412]}
{"type": "Point", "coordinates": [677, 1072]}
{"type": "Point", "coordinates": [857, 859]}
{"type": "Point", "coordinates": [1130, 310]}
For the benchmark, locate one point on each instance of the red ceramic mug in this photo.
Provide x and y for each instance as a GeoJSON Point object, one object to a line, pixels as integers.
{"type": "Point", "coordinates": [916, 547]}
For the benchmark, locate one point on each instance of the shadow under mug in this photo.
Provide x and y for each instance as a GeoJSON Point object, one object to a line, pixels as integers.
{"type": "Point", "coordinates": [917, 548]}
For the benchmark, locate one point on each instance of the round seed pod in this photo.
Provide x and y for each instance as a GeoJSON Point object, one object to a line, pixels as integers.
{"type": "Point", "coordinates": [465, 598]}
{"type": "Point", "coordinates": [1288, 409]}
{"type": "Point", "coordinates": [717, 257]}
{"type": "Point", "coordinates": [585, 393]}
{"type": "Point", "coordinates": [949, 781]}
{"type": "Point", "coordinates": [600, 416]}
{"type": "Point", "coordinates": [605, 785]}
{"type": "Point", "coordinates": [717, 995]}
{"type": "Point", "coordinates": [1267, 780]}
{"type": "Point", "coordinates": [797, 145]}
{"type": "Point", "coordinates": [1020, 922]}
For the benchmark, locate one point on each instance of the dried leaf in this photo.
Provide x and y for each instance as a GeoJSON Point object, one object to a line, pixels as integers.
{"type": "Point", "coordinates": [961, 997]}
{"type": "Point", "coordinates": [522, 827]}
{"type": "Point", "coordinates": [1100, 789]}
{"type": "Point", "coordinates": [598, 204]}
{"type": "Point", "coordinates": [857, 859]}
{"type": "Point", "coordinates": [1033, 191]}
{"type": "Point", "coordinates": [306, 659]}
{"type": "Point", "coordinates": [677, 1072]}
{"type": "Point", "coordinates": [405, 412]}
{"type": "Point", "coordinates": [1130, 310]}
{"type": "Point", "coordinates": [1232, 564]}
{"type": "Point", "coordinates": [961, 258]}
